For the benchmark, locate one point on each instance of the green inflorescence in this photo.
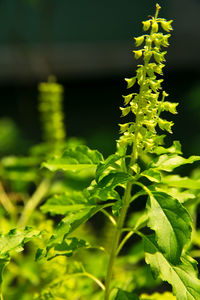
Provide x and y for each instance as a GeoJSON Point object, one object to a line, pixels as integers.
{"type": "Point", "coordinates": [149, 102]}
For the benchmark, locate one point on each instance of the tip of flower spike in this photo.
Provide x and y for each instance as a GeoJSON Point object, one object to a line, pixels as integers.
{"type": "Point", "coordinates": [158, 6]}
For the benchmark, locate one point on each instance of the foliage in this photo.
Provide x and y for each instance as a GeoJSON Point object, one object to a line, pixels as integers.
{"type": "Point", "coordinates": [76, 186]}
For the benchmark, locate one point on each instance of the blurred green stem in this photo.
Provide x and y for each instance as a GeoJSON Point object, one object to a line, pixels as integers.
{"type": "Point", "coordinates": [33, 202]}
{"type": "Point", "coordinates": [6, 202]}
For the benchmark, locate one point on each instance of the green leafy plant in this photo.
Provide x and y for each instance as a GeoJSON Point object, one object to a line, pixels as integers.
{"type": "Point", "coordinates": [80, 187]}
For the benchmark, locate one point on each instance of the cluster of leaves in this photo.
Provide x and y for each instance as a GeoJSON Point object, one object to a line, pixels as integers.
{"type": "Point", "coordinates": [78, 184]}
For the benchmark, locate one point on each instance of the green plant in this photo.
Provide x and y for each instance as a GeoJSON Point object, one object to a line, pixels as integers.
{"type": "Point", "coordinates": [83, 186]}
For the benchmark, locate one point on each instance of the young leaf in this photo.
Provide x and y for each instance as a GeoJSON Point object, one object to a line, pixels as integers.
{"type": "Point", "coordinates": [169, 162]}
{"type": "Point", "coordinates": [171, 223]}
{"type": "Point", "coordinates": [123, 295]}
{"type": "Point", "coordinates": [110, 162]}
{"type": "Point", "coordinates": [75, 159]}
{"type": "Point", "coordinates": [182, 276]}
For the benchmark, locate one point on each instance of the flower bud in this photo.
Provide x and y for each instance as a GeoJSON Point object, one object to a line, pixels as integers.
{"type": "Point", "coordinates": [166, 25]}
{"type": "Point", "coordinates": [155, 27]}
{"type": "Point", "coordinates": [146, 25]}
{"type": "Point", "coordinates": [138, 54]}
{"type": "Point", "coordinates": [130, 82]}
{"type": "Point", "coordinates": [139, 40]}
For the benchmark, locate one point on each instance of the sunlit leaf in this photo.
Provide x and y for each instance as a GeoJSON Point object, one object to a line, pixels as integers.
{"type": "Point", "coordinates": [152, 175]}
{"type": "Point", "coordinates": [182, 276]}
{"type": "Point", "coordinates": [181, 182]}
{"type": "Point", "coordinates": [169, 162]}
{"type": "Point", "coordinates": [171, 223]}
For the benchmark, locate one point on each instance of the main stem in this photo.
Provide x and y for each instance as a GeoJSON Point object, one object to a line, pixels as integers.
{"type": "Point", "coordinates": [116, 239]}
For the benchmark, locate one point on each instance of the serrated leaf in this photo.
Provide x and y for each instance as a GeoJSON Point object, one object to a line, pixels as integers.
{"type": "Point", "coordinates": [123, 295]}
{"type": "Point", "coordinates": [69, 223]}
{"type": "Point", "coordinates": [70, 201]}
{"type": "Point", "coordinates": [115, 179]}
{"type": "Point", "coordinates": [75, 159]}
{"type": "Point", "coordinates": [182, 277]}
{"type": "Point", "coordinates": [175, 148]}
{"type": "Point", "coordinates": [169, 162]}
{"type": "Point", "coordinates": [152, 174]}
{"type": "Point", "coordinates": [104, 194]}
{"type": "Point", "coordinates": [181, 182]}
{"type": "Point", "coordinates": [171, 223]}
{"type": "Point", "coordinates": [110, 162]}
{"type": "Point", "coordinates": [14, 240]}
{"type": "Point", "coordinates": [66, 248]}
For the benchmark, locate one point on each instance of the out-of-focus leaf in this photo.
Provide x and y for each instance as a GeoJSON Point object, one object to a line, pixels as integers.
{"type": "Point", "coordinates": [158, 296]}
{"type": "Point", "coordinates": [181, 182]}
{"type": "Point", "coordinates": [182, 276]}
{"type": "Point", "coordinates": [169, 162]}
{"type": "Point", "coordinates": [75, 159]}
{"type": "Point", "coordinates": [123, 295]}
{"type": "Point", "coordinates": [171, 223]}
{"type": "Point", "coordinates": [68, 202]}
{"type": "Point", "coordinates": [14, 240]}
{"type": "Point", "coordinates": [175, 148]}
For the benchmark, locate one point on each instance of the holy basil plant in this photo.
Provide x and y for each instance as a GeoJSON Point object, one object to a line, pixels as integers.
{"type": "Point", "coordinates": [140, 169]}
{"type": "Point", "coordinates": [105, 224]}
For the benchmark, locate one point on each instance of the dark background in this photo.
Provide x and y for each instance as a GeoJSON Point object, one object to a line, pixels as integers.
{"type": "Point", "coordinates": [88, 46]}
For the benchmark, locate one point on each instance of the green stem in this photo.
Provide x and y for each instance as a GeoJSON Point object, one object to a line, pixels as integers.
{"type": "Point", "coordinates": [6, 202]}
{"type": "Point", "coordinates": [33, 202]}
{"type": "Point", "coordinates": [113, 221]}
{"type": "Point", "coordinates": [116, 239]}
{"type": "Point", "coordinates": [125, 239]}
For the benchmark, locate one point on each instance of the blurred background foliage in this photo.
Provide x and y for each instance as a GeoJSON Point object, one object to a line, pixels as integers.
{"type": "Point", "coordinates": [88, 46]}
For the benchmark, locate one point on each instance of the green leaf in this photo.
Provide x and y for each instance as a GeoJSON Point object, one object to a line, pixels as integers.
{"type": "Point", "coordinates": [70, 201]}
{"type": "Point", "coordinates": [75, 159]}
{"type": "Point", "coordinates": [181, 182]}
{"type": "Point", "coordinates": [115, 179]}
{"type": "Point", "coordinates": [171, 223]}
{"type": "Point", "coordinates": [181, 196]}
{"type": "Point", "coordinates": [123, 295]}
{"type": "Point", "coordinates": [109, 163]}
{"type": "Point", "coordinates": [175, 148]}
{"type": "Point", "coordinates": [169, 162]}
{"type": "Point", "coordinates": [152, 175]}
{"type": "Point", "coordinates": [104, 190]}
{"type": "Point", "coordinates": [182, 276]}
{"type": "Point", "coordinates": [104, 194]}
{"type": "Point", "coordinates": [69, 224]}
{"type": "Point", "coordinates": [14, 240]}
{"type": "Point", "coordinates": [66, 248]}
